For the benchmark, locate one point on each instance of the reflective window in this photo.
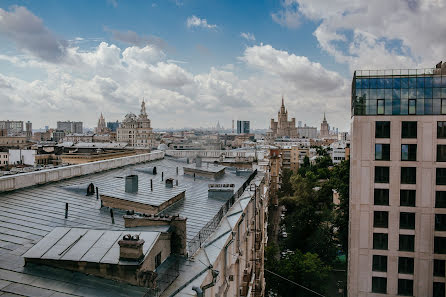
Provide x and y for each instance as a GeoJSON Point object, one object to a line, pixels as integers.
{"type": "Point", "coordinates": [440, 199]}
{"type": "Point", "coordinates": [380, 83]}
{"type": "Point", "coordinates": [428, 82]}
{"type": "Point", "coordinates": [381, 174]}
{"type": "Point", "coordinates": [405, 265]}
{"type": "Point", "coordinates": [420, 82]}
{"type": "Point", "coordinates": [382, 129]}
{"type": "Point", "coordinates": [412, 106]}
{"type": "Point", "coordinates": [382, 152]}
{"type": "Point", "coordinates": [405, 287]}
{"type": "Point", "coordinates": [440, 222]}
{"type": "Point", "coordinates": [381, 196]}
{"type": "Point", "coordinates": [397, 83]}
{"type": "Point", "coordinates": [407, 220]}
{"type": "Point", "coordinates": [380, 219]}
{"type": "Point", "coordinates": [441, 176]}
{"type": "Point", "coordinates": [441, 153]}
{"type": "Point", "coordinates": [412, 82]}
{"type": "Point", "coordinates": [409, 129]}
{"type": "Point", "coordinates": [404, 82]}
{"type": "Point", "coordinates": [408, 152]}
{"type": "Point", "coordinates": [443, 106]}
{"type": "Point", "coordinates": [439, 290]}
{"type": "Point", "coordinates": [407, 243]}
{"type": "Point", "coordinates": [439, 268]}
{"type": "Point", "coordinates": [365, 83]}
{"type": "Point", "coordinates": [436, 81]}
{"type": "Point", "coordinates": [439, 245]}
{"type": "Point", "coordinates": [436, 93]}
{"type": "Point", "coordinates": [379, 285]}
{"type": "Point", "coordinates": [379, 263]}
{"type": "Point", "coordinates": [380, 106]}
{"type": "Point", "coordinates": [428, 93]}
{"type": "Point", "coordinates": [388, 83]}
{"type": "Point", "coordinates": [380, 241]}
{"type": "Point", "coordinates": [407, 198]}
{"type": "Point", "coordinates": [408, 175]}
{"type": "Point", "coordinates": [441, 129]}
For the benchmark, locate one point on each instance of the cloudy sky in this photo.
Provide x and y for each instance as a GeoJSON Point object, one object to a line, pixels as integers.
{"type": "Point", "coordinates": [197, 62]}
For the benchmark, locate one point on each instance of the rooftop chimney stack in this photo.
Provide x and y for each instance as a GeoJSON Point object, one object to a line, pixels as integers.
{"type": "Point", "coordinates": [169, 182]}
{"type": "Point", "coordinates": [131, 183]}
{"type": "Point", "coordinates": [130, 248]}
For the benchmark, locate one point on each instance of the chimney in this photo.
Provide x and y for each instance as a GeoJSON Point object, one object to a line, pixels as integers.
{"type": "Point", "coordinates": [197, 161]}
{"type": "Point", "coordinates": [131, 183]}
{"type": "Point", "coordinates": [169, 182]}
{"type": "Point", "coordinates": [130, 248]}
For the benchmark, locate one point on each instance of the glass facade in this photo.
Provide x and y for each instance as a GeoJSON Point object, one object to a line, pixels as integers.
{"type": "Point", "coordinates": [399, 92]}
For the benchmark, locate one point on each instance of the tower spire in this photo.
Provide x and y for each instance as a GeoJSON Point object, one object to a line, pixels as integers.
{"type": "Point", "coordinates": [283, 104]}
{"type": "Point", "coordinates": [324, 116]}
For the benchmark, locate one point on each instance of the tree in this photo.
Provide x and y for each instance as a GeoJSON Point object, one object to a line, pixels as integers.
{"type": "Point", "coordinates": [306, 269]}
{"type": "Point", "coordinates": [286, 188]}
{"type": "Point", "coordinates": [341, 183]}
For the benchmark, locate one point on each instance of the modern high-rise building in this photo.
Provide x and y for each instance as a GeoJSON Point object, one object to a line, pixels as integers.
{"type": "Point", "coordinates": [397, 238]}
{"type": "Point", "coordinates": [242, 127]}
{"type": "Point", "coordinates": [70, 127]}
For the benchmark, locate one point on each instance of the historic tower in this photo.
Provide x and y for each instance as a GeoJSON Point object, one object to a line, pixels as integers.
{"type": "Point", "coordinates": [283, 127]}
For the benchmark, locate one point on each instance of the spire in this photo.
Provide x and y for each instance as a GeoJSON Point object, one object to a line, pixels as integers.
{"type": "Point", "coordinates": [283, 104]}
{"type": "Point", "coordinates": [143, 108]}
{"type": "Point", "coordinates": [324, 118]}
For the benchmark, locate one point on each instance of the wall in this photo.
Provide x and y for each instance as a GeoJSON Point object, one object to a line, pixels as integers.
{"type": "Point", "coordinates": [9, 183]}
{"type": "Point", "coordinates": [27, 156]}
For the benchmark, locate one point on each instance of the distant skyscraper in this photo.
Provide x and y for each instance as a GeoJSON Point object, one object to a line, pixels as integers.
{"type": "Point", "coordinates": [242, 127]}
{"type": "Point", "coordinates": [325, 128]}
{"type": "Point", "coordinates": [101, 128]}
{"type": "Point", "coordinates": [283, 127]}
{"type": "Point", "coordinates": [70, 127]}
{"type": "Point", "coordinates": [29, 130]}
{"type": "Point", "coordinates": [113, 126]}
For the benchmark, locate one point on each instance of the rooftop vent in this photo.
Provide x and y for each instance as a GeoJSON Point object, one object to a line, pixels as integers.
{"type": "Point", "coordinates": [84, 189]}
{"type": "Point", "coordinates": [198, 161]}
{"type": "Point", "coordinates": [149, 170]}
{"type": "Point", "coordinates": [131, 183]}
{"type": "Point", "coordinates": [169, 182]}
{"type": "Point", "coordinates": [130, 248]}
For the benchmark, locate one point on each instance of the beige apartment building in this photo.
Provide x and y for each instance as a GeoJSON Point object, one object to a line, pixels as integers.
{"type": "Point", "coordinates": [397, 235]}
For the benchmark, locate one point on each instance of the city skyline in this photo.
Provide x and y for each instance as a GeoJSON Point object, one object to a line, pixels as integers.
{"type": "Point", "coordinates": [196, 61]}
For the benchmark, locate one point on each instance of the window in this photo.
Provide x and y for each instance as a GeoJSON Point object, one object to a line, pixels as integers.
{"type": "Point", "coordinates": [439, 266]}
{"type": "Point", "coordinates": [441, 153]}
{"type": "Point", "coordinates": [407, 220]}
{"type": "Point", "coordinates": [382, 129]}
{"type": "Point", "coordinates": [379, 285]}
{"type": "Point", "coordinates": [443, 106]}
{"type": "Point", "coordinates": [440, 222]}
{"type": "Point", "coordinates": [439, 245]}
{"type": "Point", "coordinates": [381, 219]}
{"type": "Point", "coordinates": [407, 198]}
{"type": "Point", "coordinates": [380, 106]}
{"type": "Point", "coordinates": [440, 176]}
{"type": "Point", "coordinates": [409, 130]}
{"type": "Point", "coordinates": [408, 175]}
{"type": "Point", "coordinates": [382, 152]}
{"type": "Point", "coordinates": [380, 241]}
{"type": "Point", "coordinates": [379, 263]}
{"type": "Point", "coordinates": [439, 290]}
{"type": "Point", "coordinates": [441, 129]}
{"type": "Point", "coordinates": [412, 106]}
{"type": "Point", "coordinates": [405, 287]}
{"type": "Point", "coordinates": [440, 199]}
{"type": "Point", "coordinates": [381, 174]}
{"type": "Point", "coordinates": [381, 196]}
{"type": "Point", "coordinates": [407, 243]}
{"type": "Point", "coordinates": [158, 260]}
{"type": "Point", "coordinates": [405, 265]}
{"type": "Point", "coordinates": [408, 152]}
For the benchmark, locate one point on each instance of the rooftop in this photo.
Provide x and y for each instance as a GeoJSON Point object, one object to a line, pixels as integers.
{"type": "Point", "coordinates": [27, 215]}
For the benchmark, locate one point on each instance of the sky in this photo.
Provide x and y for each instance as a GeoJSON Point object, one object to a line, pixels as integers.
{"type": "Point", "coordinates": [196, 62]}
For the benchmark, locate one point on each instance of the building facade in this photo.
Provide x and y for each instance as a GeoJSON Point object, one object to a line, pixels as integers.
{"type": "Point", "coordinates": [12, 127]}
{"type": "Point", "coordinates": [397, 238]}
{"type": "Point", "coordinates": [70, 127]}
{"type": "Point", "coordinates": [113, 126]}
{"type": "Point", "coordinates": [102, 127]}
{"type": "Point", "coordinates": [325, 128]}
{"type": "Point", "coordinates": [307, 132]}
{"type": "Point", "coordinates": [136, 130]}
{"type": "Point", "coordinates": [283, 127]}
{"type": "Point", "coordinates": [242, 127]}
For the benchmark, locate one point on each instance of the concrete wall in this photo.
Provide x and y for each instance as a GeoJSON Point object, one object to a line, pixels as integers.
{"type": "Point", "coordinates": [27, 156]}
{"type": "Point", "coordinates": [209, 154]}
{"type": "Point", "coordinates": [362, 206]}
{"type": "Point", "coordinates": [14, 182]}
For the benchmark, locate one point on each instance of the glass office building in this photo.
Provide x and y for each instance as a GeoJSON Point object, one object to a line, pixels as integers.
{"type": "Point", "coordinates": [399, 92]}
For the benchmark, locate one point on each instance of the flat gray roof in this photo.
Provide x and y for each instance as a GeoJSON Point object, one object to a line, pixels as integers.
{"type": "Point", "coordinates": [28, 214]}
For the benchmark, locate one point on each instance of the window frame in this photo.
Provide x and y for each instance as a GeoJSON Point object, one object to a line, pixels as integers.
{"type": "Point", "coordinates": [440, 222]}
{"type": "Point", "coordinates": [405, 265]}
{"type": "Point", "coordinates": [385, 152]}
{"type": "Point", "coordinates": [406, 220]}
{"type": "Point", "coordinates": [438, 203]}
{"type": "Point", "coordinates": [409, 289]}
{"type": "Point", "coordinates": [406, 176]}
{"type": "Point", "coordinates": [404, 240]}
{"type": "Point", "coordinates": [407, 129]}
{"type": "Point", "coordinates": [441, 129]}
{"type": "Point", "coordinates": [411, 152]}
{"type": "Point", "coordinates": [441, 150]}
{"type": "Point", "coordinates": [382, 169]}
{"type": "Point", "coordinates": [440, 176]}
{"type": "Point", "coordinates": [380, 239]}
{"type": "Point", "coordinates": [382, 128]}
{"type": "Point", "coordinates": [379, 263]}
{"type": "Point", "coordinates": [407, 199]}
{"type": "Point", "coordinates": [380, 219]}
{"type": "Point", "coordinates": [379, 285]}
{"type": "Point", "coordinates": [381, 197]}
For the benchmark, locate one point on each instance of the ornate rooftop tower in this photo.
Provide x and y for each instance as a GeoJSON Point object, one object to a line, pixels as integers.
{"type": "Point", "coordinates": [283, 127]}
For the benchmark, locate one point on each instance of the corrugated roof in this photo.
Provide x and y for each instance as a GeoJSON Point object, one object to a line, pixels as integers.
{"type": "Point", "coordinates": [27, 215]}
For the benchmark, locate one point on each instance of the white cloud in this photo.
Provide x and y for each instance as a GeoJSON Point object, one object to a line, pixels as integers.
{"type": "Point", "coordinates": [28, 32]}
{"type": "Point", "coordinates": [194, 21]}
{"type": "Point", "coordinates": [113, 3]}
{"type": "Point", "coordinates": [248, 36]}
{"type": "Point", "coordinates": [377, 34]}
{"type": "Point", "coordinates": [288, 16]}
